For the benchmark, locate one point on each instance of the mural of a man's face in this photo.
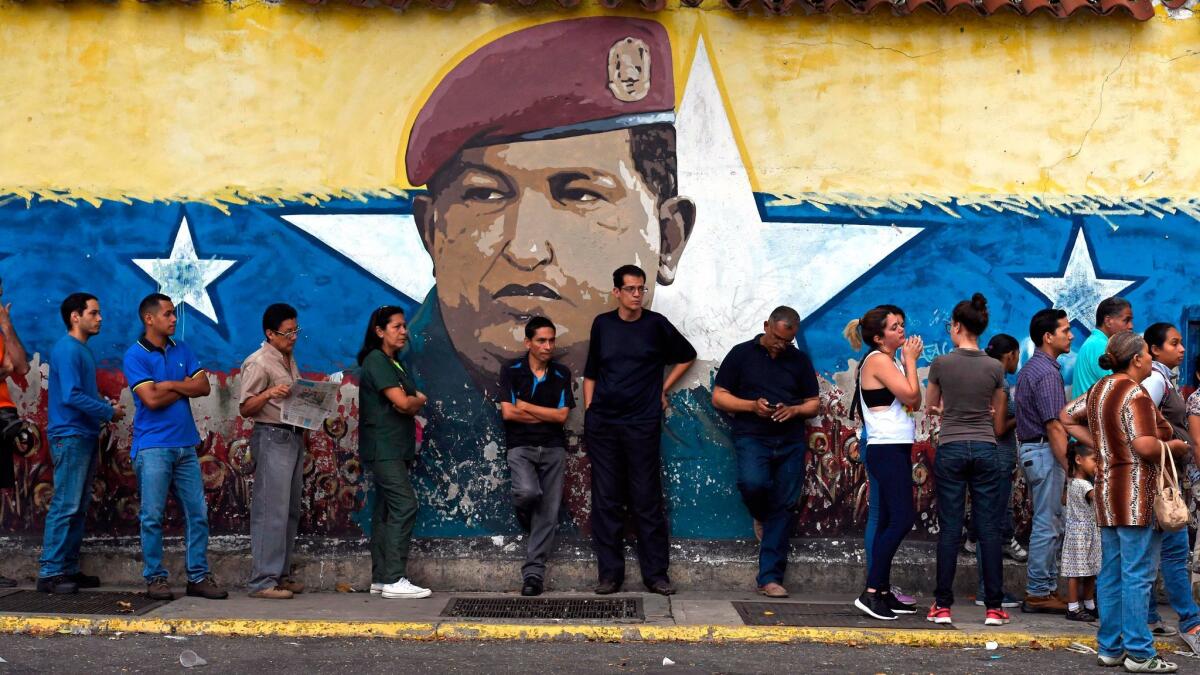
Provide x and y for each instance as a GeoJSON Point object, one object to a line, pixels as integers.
{"type": "Point", "coordinates": [536, 228]}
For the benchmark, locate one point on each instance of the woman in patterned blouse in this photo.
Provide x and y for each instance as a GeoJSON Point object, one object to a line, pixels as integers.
{"type": "Point", "coordinates": [1119, 420]}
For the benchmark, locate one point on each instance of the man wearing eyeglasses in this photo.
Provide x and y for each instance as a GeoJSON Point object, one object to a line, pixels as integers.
{"type": "Point", "coordinates": [278, 451]}
{"type": "Point", "coordinates": [624, 395]}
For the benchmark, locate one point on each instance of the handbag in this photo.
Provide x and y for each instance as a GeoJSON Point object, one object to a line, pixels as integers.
{"type": "Point", "coordinates": [1169, 508]}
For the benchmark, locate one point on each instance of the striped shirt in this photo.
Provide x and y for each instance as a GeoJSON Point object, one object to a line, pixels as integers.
{"type": "Point", "coordinates": [1118, 410]}
{"type": "Point", "coordinates": [1041, 395]}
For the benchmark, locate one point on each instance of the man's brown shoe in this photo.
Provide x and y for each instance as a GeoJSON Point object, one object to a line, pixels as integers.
{"type": "Point", "coordinates": [206, 588]}
{"type": "Point", "coordinates": [296, 587]}
{"type": "Point", "coordinates": [159, 589]}
{"type": "Point", "coordinates": [1045, 604]}
{"type": "Point", "coordinates": [275, 593]}
{"type": "Point", "coordinates": [773, 590]}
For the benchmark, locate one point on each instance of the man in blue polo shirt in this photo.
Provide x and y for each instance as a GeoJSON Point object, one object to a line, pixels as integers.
{"type": "Point", "coordinates": [163, 375]}
{"type": "Point", "coordinates": [769, 387]}
{"type": "Point", "coordinates": [539, 398]}
{"type": "Point", "coordinates": [76, 412]}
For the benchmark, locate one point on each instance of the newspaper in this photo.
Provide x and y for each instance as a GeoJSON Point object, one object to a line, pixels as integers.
{"type": "Point", "coordinates": [309, 403]}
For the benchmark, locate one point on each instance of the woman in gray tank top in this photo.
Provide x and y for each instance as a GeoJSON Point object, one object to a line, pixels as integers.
{"type": "Point", "coordinates": [969, 388]}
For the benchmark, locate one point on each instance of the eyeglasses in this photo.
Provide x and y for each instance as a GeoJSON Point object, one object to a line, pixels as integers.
{"type": "Point", "coordinates": [634, 290]}
{"type": "Point", "coordinates": [290, 335]}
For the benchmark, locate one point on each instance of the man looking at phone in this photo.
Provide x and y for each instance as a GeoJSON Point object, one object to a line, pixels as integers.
{"type": "Point", "coordinates": [769, 388]}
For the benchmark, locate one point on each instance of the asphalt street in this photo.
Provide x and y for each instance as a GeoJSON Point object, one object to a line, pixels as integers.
{"type": "Point", "coordinates": [155, 653]}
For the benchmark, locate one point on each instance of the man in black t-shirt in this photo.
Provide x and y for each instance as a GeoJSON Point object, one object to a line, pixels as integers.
{"type": "Point", "coordinates": [625, 395]}
{"type": "Point", "coordinates": [539, 398]}
{"type": "Point", "coordinates": [769, 388]}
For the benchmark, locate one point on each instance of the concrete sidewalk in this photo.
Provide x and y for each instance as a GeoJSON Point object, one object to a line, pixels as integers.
{"type": "Point", "coordinates": [686, 617]}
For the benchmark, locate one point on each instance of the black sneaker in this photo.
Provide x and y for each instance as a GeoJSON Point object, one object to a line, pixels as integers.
{"type": "Point", "coordinates": [531, 587]}
{"type": "Point", "coordinates": [897, 607]}
{"type": "Point", "coordinates": [1080, 614]}
{"type": "Point", "coordinates": [85, 580]}
{"type": "Point", "coordinates": [158, 589]}
{"type": "Point", "coordinates": [60, 584]}
{"type": "Point", "coordinates": [207, 588]}
{"type": "Point", "coordinates": [875, 605]}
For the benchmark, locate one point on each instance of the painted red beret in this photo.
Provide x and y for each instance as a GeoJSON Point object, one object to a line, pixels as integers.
{"type": "Point", "coordinates": [554, 80]}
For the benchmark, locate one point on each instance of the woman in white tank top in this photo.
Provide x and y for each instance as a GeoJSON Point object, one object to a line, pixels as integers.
{"type": "Point", "coordinates": [884, 394]}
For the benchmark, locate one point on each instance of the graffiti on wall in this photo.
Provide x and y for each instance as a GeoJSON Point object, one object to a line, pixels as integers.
{"type": "Point", "coordinates": [548, 157]}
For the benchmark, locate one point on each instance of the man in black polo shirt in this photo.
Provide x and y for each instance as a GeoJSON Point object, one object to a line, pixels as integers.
{"type": "Point", "coordinates": [625, 395]}
{"type": "Point", "coordinates": [769, 388]}
{"type": "Point", "coordinates": [539, 398]}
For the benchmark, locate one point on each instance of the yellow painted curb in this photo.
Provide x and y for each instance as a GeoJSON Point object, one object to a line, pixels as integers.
{"type": "Point", "coordinates": [50, 625]}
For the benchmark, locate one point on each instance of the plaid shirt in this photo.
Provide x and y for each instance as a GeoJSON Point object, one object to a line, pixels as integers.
{"type": "Point", "coordinates": [1041, 395]}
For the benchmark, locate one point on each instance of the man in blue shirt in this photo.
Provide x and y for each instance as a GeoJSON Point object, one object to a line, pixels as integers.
{"type": "Point", "coordinates": [1113, 315]}
{"type": "Point", "coordinates": [163, 375]}
{"type": "Point", "coordinates": [77, 412]}
{"type": "Point", "coordinates": [769, 388]}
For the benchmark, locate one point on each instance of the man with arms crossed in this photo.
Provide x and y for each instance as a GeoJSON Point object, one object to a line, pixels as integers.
{"type": "Point", "coordinates": [769, 387]}
{"type": "Point", "coordinates": [624, 396]}
{"type": "Point", "coordinates": [539, 400]}
{"type": "Point", "coordinates": [163, 375]}
{"type": "Point", "coordinates": [76, 414]}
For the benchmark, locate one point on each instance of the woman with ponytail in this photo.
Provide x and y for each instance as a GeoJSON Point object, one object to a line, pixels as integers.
{"type": "Point", "coordinates": [1118, 419]}
{"type": "Point", "coordinates": [885, 393]}
{"type": "Point", "coordinates": [1166, 352]}
{"type": "Point", "coordinates": [968, 388]}
{"type": "Point", "coordinates": [388, 400]}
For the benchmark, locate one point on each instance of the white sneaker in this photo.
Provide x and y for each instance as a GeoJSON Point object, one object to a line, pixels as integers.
{"type": "Point", "coordinates": [405, 589]}
{"type": "Point", "coordinates": [377, 588]}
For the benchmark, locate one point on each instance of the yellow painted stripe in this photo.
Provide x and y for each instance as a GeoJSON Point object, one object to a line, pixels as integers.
{"type": "Point", "coordinates": [45, 625]}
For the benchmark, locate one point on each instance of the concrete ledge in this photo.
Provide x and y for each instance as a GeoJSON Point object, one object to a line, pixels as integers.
{"type": "Point", "coordinates": [821, 566]}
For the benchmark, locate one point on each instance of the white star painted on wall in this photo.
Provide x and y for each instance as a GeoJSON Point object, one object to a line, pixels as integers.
{"type": "Point", "coordinates": [1080, 288]}
{"type": "Point", "coordinates": [184, 277]}
{"type": "Point", "coordinates": [736, 266]}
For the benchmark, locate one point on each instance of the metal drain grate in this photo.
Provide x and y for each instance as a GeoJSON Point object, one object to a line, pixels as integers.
{"type": "Point", "coordinates": [824, 615]}
{"type": "Point", "coordinates": [84, 602]}
{"type": "Point", "coordinates": [612, 609]}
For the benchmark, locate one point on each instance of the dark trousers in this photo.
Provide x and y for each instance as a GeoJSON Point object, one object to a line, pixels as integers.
{"type": "Point", "coordinates": [889, 465]}
{"type": "Point", "coordinates": [770, 476]}
{"type": "Point", "coordinates": [627, 474]}
{"type": "Point", "coordinates": [537, 488]}
{"type": "Point", "coordinates": [959, 467]}
{"type": "Point", "coordinates": [392, 520]}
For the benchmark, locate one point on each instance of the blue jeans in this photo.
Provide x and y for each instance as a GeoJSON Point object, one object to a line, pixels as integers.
{"type": "Point", "coordinates": [1008, 462]}
{"type": "Point", "coordinates": [1127, 570]}
{"type": "Point", "coordinates": [1177, 581]}
{"type": "Point", "coordinates": [770, 476]}
{"type": "Point", "coordinates": [163, 471]}
{"type": "Point", "coordinates": [890, 465]}
{"type": "Point", "coordinates": [74, 460]}
{"type": "Point", "coordinates": [1045, 478]}
{"type": "Point", "coordinates": [960, 466]}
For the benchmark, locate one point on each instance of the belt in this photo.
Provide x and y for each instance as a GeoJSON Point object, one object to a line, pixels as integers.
{"type": "Point", "coordinates": [285, 427]}
{"type": "Point", "coordinates": [1035, 439]}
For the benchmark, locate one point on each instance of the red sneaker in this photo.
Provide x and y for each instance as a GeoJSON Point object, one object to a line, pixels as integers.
{"type": "Point", "coordinates": [996, 617]}
{"type": "Point", "coordinates": [938, 614]}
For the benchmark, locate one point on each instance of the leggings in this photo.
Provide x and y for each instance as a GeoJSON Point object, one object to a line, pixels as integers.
{"type": "Point", "coordinates": [890, 467]}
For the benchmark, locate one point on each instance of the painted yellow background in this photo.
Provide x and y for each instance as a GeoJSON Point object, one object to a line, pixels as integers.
{"type": "Point", "coordinates": [150, 101]}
